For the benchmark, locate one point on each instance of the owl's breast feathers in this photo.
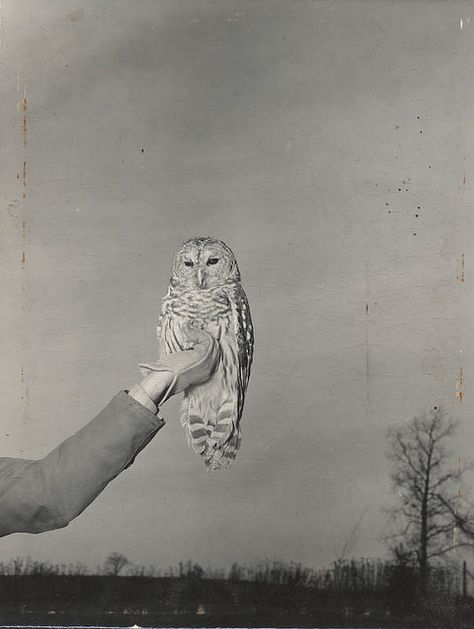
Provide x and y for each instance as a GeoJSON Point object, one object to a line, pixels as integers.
{"type": "Point", "coordinates": [201, 305]}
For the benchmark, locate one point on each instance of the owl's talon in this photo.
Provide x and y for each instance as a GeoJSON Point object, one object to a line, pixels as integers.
{"type": "Point", "coordinates": [197, 323]}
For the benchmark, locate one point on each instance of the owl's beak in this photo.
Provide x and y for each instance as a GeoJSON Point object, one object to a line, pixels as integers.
{"type": "Point", "coordinates": [201, 277]}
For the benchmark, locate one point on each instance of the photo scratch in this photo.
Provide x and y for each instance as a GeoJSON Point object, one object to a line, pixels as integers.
{"type": "Point", "coordinates": [460, 385]}
{"type": "Point", "coordinates": [460, 276]}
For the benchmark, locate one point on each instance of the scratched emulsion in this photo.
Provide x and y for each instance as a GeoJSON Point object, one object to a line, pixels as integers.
{"type": "Point", "coordinates": [24, 125]}
{"type": "Point", "coordinates": [367, 338]}
{"type": "Point", "coordinates": [458, 497]}
{"type": "Point", "coordinates": [459, 385]}
{"type": "Point", "coordinates": [22, 178]}
{"type": "Point", "coordinates": [460, 276]}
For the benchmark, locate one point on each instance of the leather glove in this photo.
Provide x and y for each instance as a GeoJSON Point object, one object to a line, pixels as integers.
{"type": "Point", "coordinates": [189, 367]}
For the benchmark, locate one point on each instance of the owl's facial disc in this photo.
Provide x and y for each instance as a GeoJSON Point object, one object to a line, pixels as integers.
{"type": "Point", "coordinates": [204, 263]}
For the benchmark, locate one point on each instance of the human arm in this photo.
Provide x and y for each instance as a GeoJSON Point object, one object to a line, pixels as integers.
{"type": "Point", "coordinates": [40, 495]}
{"type": "Point", "coordinates": [48, 493]}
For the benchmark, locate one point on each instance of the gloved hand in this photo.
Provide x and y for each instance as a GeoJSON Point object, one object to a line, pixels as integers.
{"type": "Point", "coordinates": [192, 366]}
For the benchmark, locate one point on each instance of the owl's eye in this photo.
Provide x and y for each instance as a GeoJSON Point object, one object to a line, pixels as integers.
{"type": "Point", "coordinates": [212, 261]}
{"type": "Point", "coordinates": [188, 263]}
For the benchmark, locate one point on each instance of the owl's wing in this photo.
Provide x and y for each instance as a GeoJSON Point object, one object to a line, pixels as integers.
{"type": "Point", "coordinates": [243, 329]}
{"type": "Point", "coordinates": [237, 344]}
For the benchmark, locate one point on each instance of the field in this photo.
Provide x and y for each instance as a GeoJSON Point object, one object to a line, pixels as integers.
{"type": "Point", "coordinates": [178, 602]}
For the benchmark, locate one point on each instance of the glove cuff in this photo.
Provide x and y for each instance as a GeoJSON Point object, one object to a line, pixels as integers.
{"type": "Point", "coordinates": [140, 395]}
{"type": "Point", "coordinates": [147, 369]}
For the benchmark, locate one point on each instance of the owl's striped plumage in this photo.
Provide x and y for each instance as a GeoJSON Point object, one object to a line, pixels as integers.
{"type": "Point", "coordinates": [205, 291]}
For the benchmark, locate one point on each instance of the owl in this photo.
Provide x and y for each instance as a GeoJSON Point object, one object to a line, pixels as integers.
{"type": "Point", "coordinates": [205, 291]}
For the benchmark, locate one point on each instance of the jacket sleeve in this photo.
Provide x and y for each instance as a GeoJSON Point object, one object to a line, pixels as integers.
{"type": "Point", "coordinates": [45, 494]}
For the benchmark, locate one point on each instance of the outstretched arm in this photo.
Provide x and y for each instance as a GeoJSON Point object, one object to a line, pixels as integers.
{"type": "Point", "coordinates": [45, 494]}
{"type": "Point", "coordinates": [48, 493]}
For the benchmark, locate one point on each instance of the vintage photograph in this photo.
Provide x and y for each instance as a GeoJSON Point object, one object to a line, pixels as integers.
{"type": "Point", "coordinates": [237, 314]}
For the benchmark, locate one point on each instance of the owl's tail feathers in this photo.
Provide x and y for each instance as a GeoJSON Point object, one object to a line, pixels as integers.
{"type": "Point", "coordinates": [196, 430]}
{"type": "Point", "coordinates": [224, 425]}
{"type": "Point", "coordinates": [218, 445]}
{"type": "Point", "coordinates": [222, 457]}
{"type": "Point", "coordinates": [225, 438]}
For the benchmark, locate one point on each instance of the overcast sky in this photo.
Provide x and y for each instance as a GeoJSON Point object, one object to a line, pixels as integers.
{"type": "Point", "coordinates": [330, 144]}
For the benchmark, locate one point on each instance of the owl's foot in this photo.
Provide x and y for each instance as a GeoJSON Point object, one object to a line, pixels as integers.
{"type": "Point", "coordinates": [197, 323]}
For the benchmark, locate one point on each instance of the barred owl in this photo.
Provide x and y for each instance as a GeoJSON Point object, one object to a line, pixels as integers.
{"type": "Point", "coordinates": [205, 291]}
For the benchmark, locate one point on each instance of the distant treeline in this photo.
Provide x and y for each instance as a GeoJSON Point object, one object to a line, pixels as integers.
{"type": "Point", "coordinates": [352, 592]}
{"type": "Point", "coordinates": [350, 575]}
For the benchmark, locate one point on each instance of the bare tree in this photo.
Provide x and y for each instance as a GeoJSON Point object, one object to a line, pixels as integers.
{"type": "Point", "coordinates": [115, 563]}
{"type": "Point", "coordinates": [434, 517]}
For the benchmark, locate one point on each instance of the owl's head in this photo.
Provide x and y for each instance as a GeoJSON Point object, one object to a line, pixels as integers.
{"type": "Point", "coordinates": [204, 262]}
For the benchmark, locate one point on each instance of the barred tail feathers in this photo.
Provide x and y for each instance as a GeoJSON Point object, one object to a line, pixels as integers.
{"type": "Point", "coordinates": [196, 430]}
{"type": "Point", "coordinates": [224, 424]}
{"type": "Point", "coordinates": [225, 437]}
{"type": "Point", "coordinates": [224, 456]}
{"type": "Point", "coordinates": [218, 443]}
